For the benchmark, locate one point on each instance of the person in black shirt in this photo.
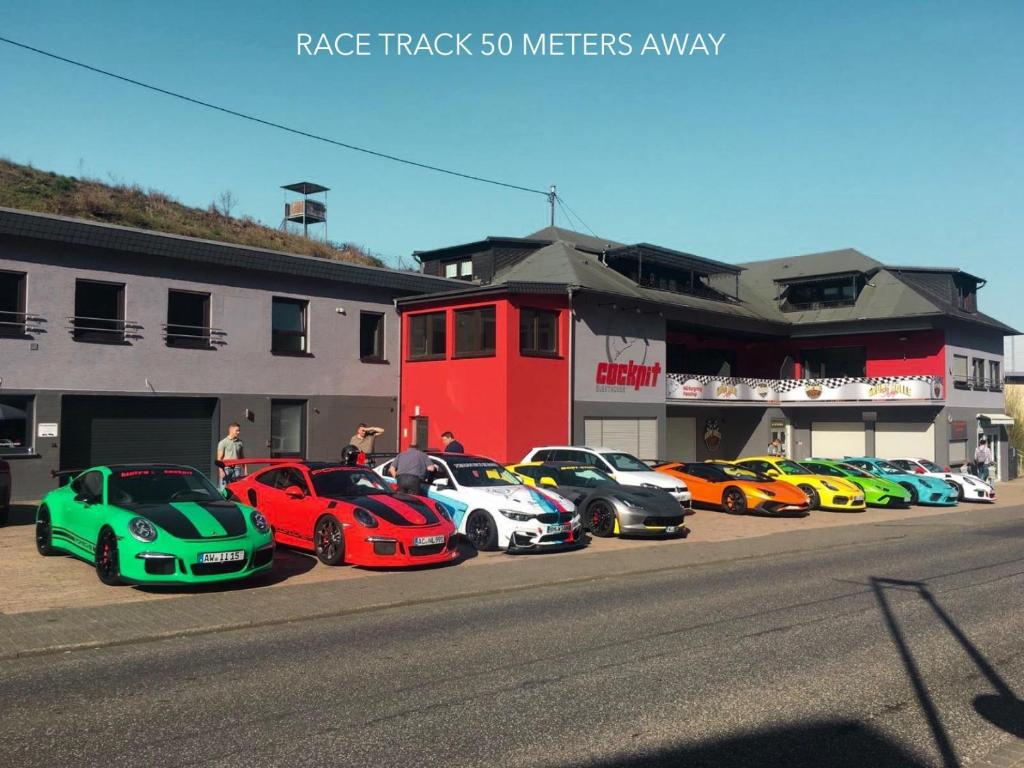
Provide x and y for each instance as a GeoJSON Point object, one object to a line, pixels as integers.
{"type": "Point", "coordinates": [451, 445]}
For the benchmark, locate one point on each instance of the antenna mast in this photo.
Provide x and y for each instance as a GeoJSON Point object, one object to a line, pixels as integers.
{"type": "Point", "coordinates": [552, 199]}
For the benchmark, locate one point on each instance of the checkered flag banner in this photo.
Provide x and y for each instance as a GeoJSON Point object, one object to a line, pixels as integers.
{"type": "Point", "coordinates": [682, 386]}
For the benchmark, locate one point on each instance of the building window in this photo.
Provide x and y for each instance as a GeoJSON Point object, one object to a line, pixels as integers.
{"type": "Point", "coordinates": [995, 379]}
{"type": "Point", "coordinates": [474, 332]}
{"type": "Point", "coordinates": [289, 328]}
{"type": "Point", "coordinates": [15, 426]}
{"type": "Point", "coordinates": [287, 428]}
{"type": "Point", "coordinates": [538, 332]}
{"type": "Point", "coordinates": [12, 303]}
{"type": "Point", "coordinates": [835, 362]}
{"type": "Point", "coordinates": [821, 294]}
{"type": "Point", "coordinates": [188, 319]}
{"type": "Point", "coordinates": [99, 312]}
{"type": "Point", "coordinates": [371, 337]}
{"type": "Point", "coordinates": [960, 372]}
{"type": "Point", "coordinates": [978, 373]}
{"type": "Point", "coordinates": [459, 270]}
{"type": "Point", "coordinates": [427, 336]}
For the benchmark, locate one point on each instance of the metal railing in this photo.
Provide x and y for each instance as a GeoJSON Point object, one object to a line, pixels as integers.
{"type": "Point", "coordinates": [178, 334]}
{"type": "Point", "coordinates": [102, 329]}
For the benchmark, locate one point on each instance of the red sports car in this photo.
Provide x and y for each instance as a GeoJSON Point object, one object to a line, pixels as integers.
{"type": "Point", "coordinates": [345, 514]}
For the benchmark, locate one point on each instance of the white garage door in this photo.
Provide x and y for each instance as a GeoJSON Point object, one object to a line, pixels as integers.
{"type": "Point", "coordinates": [636, 436]}
{"type": "Point", "coordinates": [905, 439]}
{"type": "Point", "coordinates": [835, 439]}
{"type": "Point", "coordinates": [682, 438]}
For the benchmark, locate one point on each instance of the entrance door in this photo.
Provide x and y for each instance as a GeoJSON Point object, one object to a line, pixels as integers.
{"type": "Point", "coordinates": [421, 432]}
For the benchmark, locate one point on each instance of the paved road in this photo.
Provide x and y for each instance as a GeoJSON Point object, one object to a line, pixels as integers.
{"type": "Point", "coordinates": [898, 652]}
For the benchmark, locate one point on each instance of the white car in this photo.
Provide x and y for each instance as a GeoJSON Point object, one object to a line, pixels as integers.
{"type": "Point", "coordinates": [969, 487]}
{"type": "Point", "coordinates": [494, 509]}
{"type": "Point", "coordinates": [625, 468]}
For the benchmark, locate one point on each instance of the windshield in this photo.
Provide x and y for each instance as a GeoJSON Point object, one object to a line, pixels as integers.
{"type": "Point", "coordinates": [341, 482]}
{"type": "Point", "coordinates": [856, 471]}
{"type": "Point", "coordinates": [889, 469]}
{"type": "Point", "coordinates": [791, 468]}
{"type": "Point", "coordinates": [824, 469]}
{"type": "Point", "coordinates": [482, 474]}
{"type": "Point", "coordinates": [931, 466]}
{"type": "Point", "coordinates": [741, 473]}
{"type": "Point", "coordinates": [624, 462]}
{"type": "Point", "coordinates": [588, 477]}
{"type": "Point", "coordinates": [159, 485]}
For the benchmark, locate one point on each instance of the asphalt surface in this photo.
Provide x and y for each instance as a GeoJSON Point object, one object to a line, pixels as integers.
{"type": "Point", "coordinates": [898, 652]}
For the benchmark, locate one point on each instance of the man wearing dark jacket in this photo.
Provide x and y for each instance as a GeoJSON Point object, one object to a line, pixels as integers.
{"type": "Point", "coordinates": [451, 445]}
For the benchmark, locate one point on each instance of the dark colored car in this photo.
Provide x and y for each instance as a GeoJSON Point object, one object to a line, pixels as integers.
{"type": "Point", "coordinates": [607, 507]}
{"type": "Point", "coordinates": [5, 492]}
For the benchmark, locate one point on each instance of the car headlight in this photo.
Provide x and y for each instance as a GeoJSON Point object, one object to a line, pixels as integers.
{"type": "Point", "coordinates": [364, 518]}
{"type": "Point", "coordinates": [513, 514]}
{"type": "Point", "coordinates": [630, 503]}
{"type": "Point", "coordinates": [259, 522]}
{"type": "Point", "coordinates": [829, 485]}
{"type": "Point", "coordinates": [649, 485]}
{"type": "Point", "coordinates": [142, 529]}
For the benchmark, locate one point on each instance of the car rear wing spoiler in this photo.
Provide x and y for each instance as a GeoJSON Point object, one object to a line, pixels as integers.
{"type": "Point", "coordinates": [243, 466]}
{"type": "Point", "coordinates": [63, 476]}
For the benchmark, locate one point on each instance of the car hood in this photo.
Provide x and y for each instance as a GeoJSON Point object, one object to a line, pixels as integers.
{"type": "Point", "coordinates": [653, 499]}
{"type": "Point", "coordinates": [401, 510]}
{"type": "Point", "coordinates": [525, 498]}
{"type": "Point", "coordinates": [659, 479]}
{"type": "Point", "coordinates": [844, 485]}
{"type": "Point", "coordinates": [194, 519]}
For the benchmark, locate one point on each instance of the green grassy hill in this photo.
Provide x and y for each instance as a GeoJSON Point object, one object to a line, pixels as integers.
{"type": "Point", "coordinates": [25, 187]}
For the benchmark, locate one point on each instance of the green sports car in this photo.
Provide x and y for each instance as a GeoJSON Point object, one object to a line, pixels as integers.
{"type": "Point", "coordinates": [878, 492]}
{"type": "Point", "coordinates": [153, 524]}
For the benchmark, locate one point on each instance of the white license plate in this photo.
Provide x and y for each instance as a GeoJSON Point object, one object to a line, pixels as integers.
{"type": "Point", "coordinates": [858, 499]}
{"type": "Point", "coordinates": [671, 528]}
{"type": "Point", "coordinates": [426, 541]}
{"type": "Point", "coordinates": [557, 528]}
{"type": "Point", "coordinates": [222, 557]}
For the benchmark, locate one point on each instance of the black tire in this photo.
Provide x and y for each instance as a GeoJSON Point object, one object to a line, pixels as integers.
{"type": "Point", "coordinates": [481, 530]}
{"type": "Point", "coordinates": [958, 488]}
{"type": "Point", "coordinates": [600, 518]}
{"type": "Point", "coordinates": [812, 495]}
{"type": "Point", "coordinates": [329, 541]}
{"type": "Point", "coordinates": [108, 567]}
{"type": "Point", "coordinates": [912, 491]}
{"type": "Point", "coordinates": [734, 501]}
{"type": "Point", "coordinates": [44, 533]}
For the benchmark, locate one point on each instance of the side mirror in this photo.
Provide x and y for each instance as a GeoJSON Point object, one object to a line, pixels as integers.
{"type": "Point", "coordinates": [439, 483]}
{"type": "Point", "coordinates": [294, 492]}
{"type": "Point", "coordinates": [549, 482]}
{"type": "Point", "coordinates": [772, 473]}
{"type": "Point", "coordinates": [227, 494]}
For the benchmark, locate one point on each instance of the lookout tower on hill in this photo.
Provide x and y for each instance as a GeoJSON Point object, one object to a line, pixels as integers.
{"type": "Point", "coordinates": [307, 210]}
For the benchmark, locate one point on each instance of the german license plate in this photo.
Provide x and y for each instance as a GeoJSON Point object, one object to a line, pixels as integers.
{"type": "Point", "coordinates": [222, 557]}
{"type": "Point", "coordinates": [557, 528]}
{"type": "Point", "coordinates": [858, 499]}
{"type": "Point", "coordinates": [426, 541]}
{"type": "Point", "coordinates": [671, 528]}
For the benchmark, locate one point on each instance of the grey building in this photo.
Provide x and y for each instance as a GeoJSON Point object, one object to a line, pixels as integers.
{"type": "Point", "coordinates": [834, 353]}
{"type": "Point", "coordinates": [119, 344]}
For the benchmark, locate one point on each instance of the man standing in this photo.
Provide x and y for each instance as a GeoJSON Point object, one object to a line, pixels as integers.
{"type": "Point", "coordinates": [776, 448]}
{"type": "Point", "coordinates": [982, 458]}
{"type": "Point", "coordinates": [230, 447]}
{"type": "Point", "coordinates": [364, 437]}
{"type": "Point", "coordinates": [451, 445]}
{"type": "Point", "coordinates": [410, 469]}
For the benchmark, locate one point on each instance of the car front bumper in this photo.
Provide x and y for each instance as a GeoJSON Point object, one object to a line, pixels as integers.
{"type": "Point", "coordinates": [771, 508]}
{"type": "Point", "coordinates": [647, 523]}
{"type": "Point", "coordinates": [531, 540]}
{"type": "Point", "coordinates": [842, 502]}
{"type": "Point", "coordinates": [381, 551]}
{"type": "Point", "coordinates": [176, 561]}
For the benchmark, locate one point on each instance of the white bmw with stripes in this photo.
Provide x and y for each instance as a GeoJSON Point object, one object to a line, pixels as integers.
{"type": "Point", "coordinates": [494, 509]}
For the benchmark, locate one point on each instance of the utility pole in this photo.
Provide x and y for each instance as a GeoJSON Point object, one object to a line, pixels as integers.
{"type": "Point", "coordinates": [552, 199]}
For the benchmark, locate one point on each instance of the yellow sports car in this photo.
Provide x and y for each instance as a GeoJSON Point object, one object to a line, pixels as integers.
{"type": "Point", "coordinates": [832, 493]}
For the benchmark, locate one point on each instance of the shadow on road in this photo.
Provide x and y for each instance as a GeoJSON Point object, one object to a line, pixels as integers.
{"type": "Point", "coordinates": [1003, 709]}
{"type": "Point", "coordinates": [839, 744]}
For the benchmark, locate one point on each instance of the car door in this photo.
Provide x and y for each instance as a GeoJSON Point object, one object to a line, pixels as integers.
{"type": "Point", "coordinates": [263, 494]}
{"type": "Point", "coordinates": [301, 514]}
{"type": "Point", "coordinates": [85, 515]}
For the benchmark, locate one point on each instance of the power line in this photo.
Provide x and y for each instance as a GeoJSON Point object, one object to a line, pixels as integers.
{"type": "Point", "coordinates": [270, 123]}
{"type": "Point", "coordinates": [561, 201]}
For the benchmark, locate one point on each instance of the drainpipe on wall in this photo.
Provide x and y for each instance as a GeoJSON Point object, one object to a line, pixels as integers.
{"type": "Point", "coordinates": [572, 365]}
{"type": "Point", "coordinates": [398, 407]}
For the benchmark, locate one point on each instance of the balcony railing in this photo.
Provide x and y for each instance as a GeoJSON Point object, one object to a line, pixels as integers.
{"type": "Point", "coordinates": [979, 384]}
{"type": "Point", "coordinates": [684, 387]}
{"type": "Point", "coordinates": [103, 330]}
{"type": "Point", "coordinates": [193, 336]}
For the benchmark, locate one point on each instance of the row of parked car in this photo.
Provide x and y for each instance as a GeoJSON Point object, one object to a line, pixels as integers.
{"type": "Point", "coordinates": [165, 523]}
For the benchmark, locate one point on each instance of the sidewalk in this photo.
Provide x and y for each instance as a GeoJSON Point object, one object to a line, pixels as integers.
{"type": "Point", "coordinates": [53, 604]}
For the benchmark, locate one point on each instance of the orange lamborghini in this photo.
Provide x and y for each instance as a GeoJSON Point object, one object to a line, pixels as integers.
{"type": "Point", "coordinates": [737, 490]}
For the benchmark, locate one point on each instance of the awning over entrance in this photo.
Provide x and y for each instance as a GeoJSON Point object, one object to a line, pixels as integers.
{"type": "Point", "coordinates": [996, 419]}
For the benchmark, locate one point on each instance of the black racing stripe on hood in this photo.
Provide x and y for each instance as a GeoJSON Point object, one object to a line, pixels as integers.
{"type": "Point", "coordinates": [227, 514]}
{"type": "Point", "coordinates": [420, 506]}
{"type": "Point", "coordinates": [387, 513]}
{"type": "Point", "coordinates": [172, 520]}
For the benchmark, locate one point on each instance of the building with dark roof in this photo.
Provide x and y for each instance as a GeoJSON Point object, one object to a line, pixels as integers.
{"type": "Point", "coordinates": [120, 344]}
{"type": "Point", "coordinates": [559, 337]}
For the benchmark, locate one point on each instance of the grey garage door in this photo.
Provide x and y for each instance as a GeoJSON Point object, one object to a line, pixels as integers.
{"type": "Point", "coordinates": [113, 430]}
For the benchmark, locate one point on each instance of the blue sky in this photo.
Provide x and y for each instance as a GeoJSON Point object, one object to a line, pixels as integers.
{"type": "Point", "coordinates": [895, 128]}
